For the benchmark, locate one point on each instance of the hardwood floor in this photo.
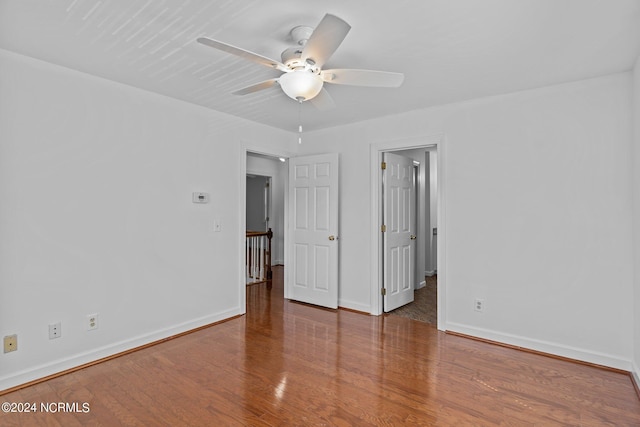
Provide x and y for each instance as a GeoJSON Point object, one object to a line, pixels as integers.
{"type": "Point", "coordinates": [286, 363]}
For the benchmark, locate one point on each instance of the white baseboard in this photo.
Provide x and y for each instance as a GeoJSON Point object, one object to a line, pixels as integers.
{"type": "Point", "coordinates": [636, 376]}
{"type": "Point", "coordinates": [421, 285]}
{"type": "Point", "coordinates": [61, 365]}
{"type": "Point", "coordinates": [561, 350]}
{"type": "Point", "coordinates": [430, 273]}
{"type": "Point", "coordinates": [277, 262]}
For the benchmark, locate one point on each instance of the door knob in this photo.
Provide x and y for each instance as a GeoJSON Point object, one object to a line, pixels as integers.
{"type": "Point", "coordinates": [413, 237]}
{"type": "Point", "coordinates": [332, 238]}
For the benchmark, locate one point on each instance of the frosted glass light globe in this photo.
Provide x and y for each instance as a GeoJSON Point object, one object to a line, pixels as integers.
{"type": "Point", "coordinates": [301, 85]}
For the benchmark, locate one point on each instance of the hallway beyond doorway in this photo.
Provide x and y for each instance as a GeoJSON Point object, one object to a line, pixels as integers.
{"type": "Point", "coordinates": [424, 307]}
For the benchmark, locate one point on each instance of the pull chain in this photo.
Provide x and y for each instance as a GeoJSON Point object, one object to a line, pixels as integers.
{"type": "Point", "coordinates": [300, 121]}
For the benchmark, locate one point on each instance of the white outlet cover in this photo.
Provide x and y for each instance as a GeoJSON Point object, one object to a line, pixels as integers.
{"type": "Point", "coordinates": [92, 322]}
{"type": "Point", "coordinates": [55, 330]}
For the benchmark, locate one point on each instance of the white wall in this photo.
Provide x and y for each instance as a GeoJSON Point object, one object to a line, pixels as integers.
{"type": "Point", "coordinates": [278, 171]}
{"type": "Point", "coordinates": [538, 214]}
{"type": "Point", "coordinates": [636, 211]}
{"type": "Point", "coordinates": [96, 215]}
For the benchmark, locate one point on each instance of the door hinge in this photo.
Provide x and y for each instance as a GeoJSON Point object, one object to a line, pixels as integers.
{"type": "Point", "coordinates": [383, 228]}
{"type": "Point", "coordinates": [383, 291]}
{"type": "Point", "coordinates": [383, 165]}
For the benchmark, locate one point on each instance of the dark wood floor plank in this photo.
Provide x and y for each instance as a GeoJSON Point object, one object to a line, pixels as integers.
{"type": "Point", "coordinates": [287, 363]}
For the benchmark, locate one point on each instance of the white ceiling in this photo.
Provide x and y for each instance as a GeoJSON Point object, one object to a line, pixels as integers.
{"type": "Point", "coordinates": [449, 50]}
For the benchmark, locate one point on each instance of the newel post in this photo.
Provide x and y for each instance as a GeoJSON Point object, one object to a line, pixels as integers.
{"type": "Point", "coordinates": [269, 272]}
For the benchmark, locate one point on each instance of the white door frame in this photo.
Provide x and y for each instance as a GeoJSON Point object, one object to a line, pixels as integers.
{"type": "Point", "coordinates": [246, 148]}
{"type": "Point", "coordinates": [376, 151]}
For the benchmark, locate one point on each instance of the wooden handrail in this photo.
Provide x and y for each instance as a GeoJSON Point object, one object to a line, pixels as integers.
{"type": "Point", "coordinates": [259, 233]}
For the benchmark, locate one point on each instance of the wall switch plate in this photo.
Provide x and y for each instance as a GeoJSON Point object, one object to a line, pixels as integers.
{"type": "Point", "coordinates": [216, 225]}
{"type": "Point", "coordinates": [10, 343]}
{"type": "Point", "coordinates": [92, 322]}
{"type": "Point", "coordinates": [198, 197]}
{"type": "Point", "coordinates": [55, 330]}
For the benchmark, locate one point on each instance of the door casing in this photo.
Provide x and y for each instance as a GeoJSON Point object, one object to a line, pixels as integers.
{"type": "Point", "coordinates": [376, 150]}
{"type": "Point", "coordinates": [244, 149]}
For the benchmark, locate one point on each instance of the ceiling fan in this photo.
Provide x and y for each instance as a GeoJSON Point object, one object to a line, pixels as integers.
{"type": "Point", "coordinates": [303, 77]}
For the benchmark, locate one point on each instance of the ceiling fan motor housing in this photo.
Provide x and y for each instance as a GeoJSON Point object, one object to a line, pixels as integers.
{"type": "Point", "coordinates": [292, 59]}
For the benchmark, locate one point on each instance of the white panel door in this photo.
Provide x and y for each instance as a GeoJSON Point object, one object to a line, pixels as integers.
{"type": "Point", "coordinates": [313, 204]}
{"type": "Point", "coordinates": [399, 237]}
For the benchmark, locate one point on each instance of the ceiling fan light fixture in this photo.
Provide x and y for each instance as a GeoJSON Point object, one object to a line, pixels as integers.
{"type": "Point", "coordinates": [303, 64]}
{"type": "Point", "coordinates": [301, 85]}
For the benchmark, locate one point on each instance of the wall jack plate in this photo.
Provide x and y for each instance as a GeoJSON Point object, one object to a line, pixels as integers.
{"type": "Point", "coordinates": [10, 343]}
{"type": "Point", "coordinates": [92, 322]}
{"type": "Point", "coordinates": [55, 330]}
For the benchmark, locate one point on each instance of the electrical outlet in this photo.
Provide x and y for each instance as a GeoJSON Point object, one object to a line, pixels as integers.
{"type": "Point", "coordinates": [10, 343]}
{"type": "Point", "coordinates": [478, 305]}
{"type": "Point", "coordinates": [92, 322]}
{"type": "Point", "coordinates": [55, 330]}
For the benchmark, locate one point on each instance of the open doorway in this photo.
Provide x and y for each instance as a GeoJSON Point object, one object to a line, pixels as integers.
{"type": "Point", "coordinates": [419, 244]}
{"type": "Point", "coordinates": [314, 224]}
{"type": "Point", "coordinates": [428, 152]}
{"type": "Point", "coordinates": [265, 210]}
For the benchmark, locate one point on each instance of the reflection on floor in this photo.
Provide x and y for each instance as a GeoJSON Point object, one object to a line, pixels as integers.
{"type": "Point", "coordinates": [294, 364]}
{"type": "Point", "coordinates": [424, 306]}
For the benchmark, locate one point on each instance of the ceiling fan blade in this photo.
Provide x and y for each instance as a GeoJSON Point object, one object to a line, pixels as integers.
{"type": "Point", "coordinates": [268, 62]}
{"type": "Point", "coordinates": [256, 87]}
{"type": "Point", "coordinates": [362, 78]}
{"type": "Point", "coordinates": [323, 101]}
{"type": "Point", "coordinates": [324, 40]}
